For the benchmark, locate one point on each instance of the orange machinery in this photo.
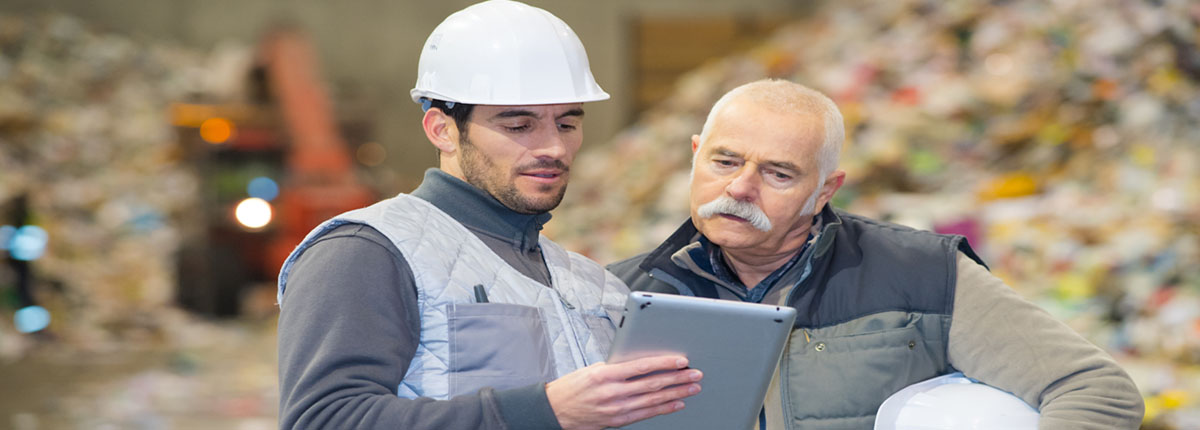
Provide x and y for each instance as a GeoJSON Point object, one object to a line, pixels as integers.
{"type": "Point", "coordinates": [290, 132]}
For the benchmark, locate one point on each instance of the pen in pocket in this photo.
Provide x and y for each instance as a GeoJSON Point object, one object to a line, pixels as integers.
{"type": "Point", "coordinates": [480, 294]}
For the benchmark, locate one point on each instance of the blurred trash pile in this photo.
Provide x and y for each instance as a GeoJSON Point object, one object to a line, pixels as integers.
{"type": "Point", "coordinates": [1060, 137]}
{"type": "Point", "coordinates": [87, 146]}
{"type": "Point", "coordinates": [85, 135]}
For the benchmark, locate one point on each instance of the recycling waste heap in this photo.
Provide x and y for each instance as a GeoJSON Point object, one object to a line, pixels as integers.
{"type": "Point", "coordinates": [86, 143]}
{"type": "Point", "coordinates": [1060, 137]}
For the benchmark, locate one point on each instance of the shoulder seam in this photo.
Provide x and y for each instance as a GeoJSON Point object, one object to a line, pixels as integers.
{"type": "Point", "coordinates": [355, 235]}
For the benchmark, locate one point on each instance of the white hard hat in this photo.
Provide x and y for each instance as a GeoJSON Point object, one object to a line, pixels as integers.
{"type": "Point", "coordinates": [954, 402]}
{"type": "Point", "coordinates": [502, 52]}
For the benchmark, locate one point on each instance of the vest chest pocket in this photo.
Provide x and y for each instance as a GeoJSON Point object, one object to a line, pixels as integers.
{"type": "Point", "coordinates": [846, 371]}
{"type": "Point", "coordinates": [600, 326]}
{"type": "Point", "coordinates": [497, 345]}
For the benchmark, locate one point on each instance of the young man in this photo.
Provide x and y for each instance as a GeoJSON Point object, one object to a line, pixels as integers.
{"type": "Point", "coordinates": [881, 306]}
{"type": "Point", "coordinates": [445, 308]}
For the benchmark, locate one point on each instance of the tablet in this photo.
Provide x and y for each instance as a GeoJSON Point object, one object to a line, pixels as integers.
{"type": "Point", "coordinates": [736, 344]}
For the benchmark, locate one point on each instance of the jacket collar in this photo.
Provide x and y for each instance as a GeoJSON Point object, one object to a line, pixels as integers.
{"type": "Point", "coordinates": [479, 211]}
{"type": "Point", "coordinates": [686, 234]}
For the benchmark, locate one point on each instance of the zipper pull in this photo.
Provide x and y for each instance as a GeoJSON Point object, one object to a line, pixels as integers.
{"type": "Point", "coordinates": [562, 300]}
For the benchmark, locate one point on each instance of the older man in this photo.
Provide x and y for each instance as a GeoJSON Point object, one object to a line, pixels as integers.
{"type": "Point", "coordinates": [881, 306]}
{"type": "Point", "coordinates": [445, 308]}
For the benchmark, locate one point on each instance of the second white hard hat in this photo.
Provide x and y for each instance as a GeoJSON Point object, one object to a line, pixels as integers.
{"type": "Point", "coordinates": [954, 402]}
{"type": "Point", "coordinates": [502, 52]}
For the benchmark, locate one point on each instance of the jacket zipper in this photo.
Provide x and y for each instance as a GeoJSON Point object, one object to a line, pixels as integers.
{"type": "Point", "coordinates": [577, 351]}
{"type": "Point", "coordinates": [785, 362]}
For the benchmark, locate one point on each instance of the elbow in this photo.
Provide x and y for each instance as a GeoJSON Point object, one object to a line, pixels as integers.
{"type": "Point", "coordinates": [1105, 394]}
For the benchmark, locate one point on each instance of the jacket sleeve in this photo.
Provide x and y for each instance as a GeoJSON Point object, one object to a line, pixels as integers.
{"type": "Point", "coordinates": [1004, 341]}
{"type": "Point", "coordinates": [348, 329]}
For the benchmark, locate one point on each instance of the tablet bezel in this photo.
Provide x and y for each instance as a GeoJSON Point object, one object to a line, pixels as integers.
{"type": "Point", "coordinates": [736, 344]}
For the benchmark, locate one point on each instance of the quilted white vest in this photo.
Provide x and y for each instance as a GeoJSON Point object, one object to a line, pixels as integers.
{"type": "Point", "coordinates": [525, 333]}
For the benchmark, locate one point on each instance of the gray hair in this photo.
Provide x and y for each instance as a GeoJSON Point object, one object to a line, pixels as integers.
{"type": "Point", "coordinates": [793, 98]}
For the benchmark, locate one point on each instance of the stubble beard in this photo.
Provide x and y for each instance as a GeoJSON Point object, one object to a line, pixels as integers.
{"type": "Point", "coordinates": [481, 172]}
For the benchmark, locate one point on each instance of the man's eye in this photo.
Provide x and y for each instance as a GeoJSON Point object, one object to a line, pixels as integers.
{"type": "Point", "coordinates": [780, 176]}
{"type": "Point", "coordinates": [517, 129]}
{"type": "Point", "coordinates": [567, 127]}
{"type": "Point", "coordinates": [725, 163]}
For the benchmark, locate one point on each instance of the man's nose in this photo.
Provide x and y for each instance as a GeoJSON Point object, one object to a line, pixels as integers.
{"type": "Point", "coordinates": [744, 186]}
{"type": "Point", "coordinates": [550, 144]}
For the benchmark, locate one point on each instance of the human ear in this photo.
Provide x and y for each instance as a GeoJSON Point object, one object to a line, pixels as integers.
{"type": "Point", "coordinates": [832, 183]}
{"type": "Point", "coordinates": [440, 130]}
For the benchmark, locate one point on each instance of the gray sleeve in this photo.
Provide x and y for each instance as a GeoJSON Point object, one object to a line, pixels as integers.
{"type": "Point", "coordinates": [1005, 341]}
{"type": "Point", "coordinates": [348, 329]}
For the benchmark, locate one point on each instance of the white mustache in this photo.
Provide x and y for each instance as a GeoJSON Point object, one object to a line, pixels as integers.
{"type": "Point", "coordinates": [744, 210]}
